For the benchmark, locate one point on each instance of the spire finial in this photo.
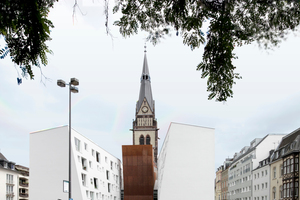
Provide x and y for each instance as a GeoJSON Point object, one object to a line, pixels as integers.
{"type": "Point", "coordinates": [145, 48]}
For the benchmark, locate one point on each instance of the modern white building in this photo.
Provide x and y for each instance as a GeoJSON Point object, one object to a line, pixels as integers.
{"type": "Point", "coordinates": [240, 172]}
{"type": "Point", "coordinates": [8, 180]}
{"type": "Point", "coordinates": [95, 173]}
{"type": "Point", "coordinates": [186, 163]}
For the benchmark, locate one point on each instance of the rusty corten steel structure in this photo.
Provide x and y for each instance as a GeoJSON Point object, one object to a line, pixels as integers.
{"type": "Point", "coordinates": [138, 172]}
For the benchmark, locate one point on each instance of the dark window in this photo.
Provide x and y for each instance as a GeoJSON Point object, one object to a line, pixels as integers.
{"type": "Point", "coordinates": [98, 157]}
{"type": "Point", "coordinates": [148, 139]}
{"type": "Point", "coordinates": [296, 189]}
{"type": "Point", "coordinates": [142, 140]}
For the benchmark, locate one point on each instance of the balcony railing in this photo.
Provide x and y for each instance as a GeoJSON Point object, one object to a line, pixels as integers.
{"type": "Point", "coordinates": [10, 194]}
{"type": "Point", "coordinates": [11, 182]}
{"type": "Point", "coordinates": [23, 195]}
{"type": "Point", "coordinates": [23, 184]}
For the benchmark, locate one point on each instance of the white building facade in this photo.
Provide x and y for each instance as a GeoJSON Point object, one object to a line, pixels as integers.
{"type": "Point", "coordinates": [186, 163]}
{"type": "Point", "coordinates": [95, 173]}
{"type": "Point", "coordinates": [8, 180]}
{"type": "Point", "coordinates": [240, 175]}
{"type": "Point", "coordinates": [261, 181]}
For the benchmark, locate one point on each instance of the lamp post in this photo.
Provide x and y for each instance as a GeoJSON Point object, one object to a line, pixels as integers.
{"type": "Point", "coordinates": [73, 82]}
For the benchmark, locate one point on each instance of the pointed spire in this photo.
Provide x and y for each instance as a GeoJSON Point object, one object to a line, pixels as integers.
{"type": "Point", "coordinates": [145, 89]}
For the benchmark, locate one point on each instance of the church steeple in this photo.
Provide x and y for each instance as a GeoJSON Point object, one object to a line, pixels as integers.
{"type": "Point", "coordinates": [145, 88]}
{"type": "Point", "coordinates": [145, 131]}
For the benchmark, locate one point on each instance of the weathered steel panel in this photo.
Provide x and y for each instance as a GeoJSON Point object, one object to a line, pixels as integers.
{"type": "Point", "coordinates": [138, 171]}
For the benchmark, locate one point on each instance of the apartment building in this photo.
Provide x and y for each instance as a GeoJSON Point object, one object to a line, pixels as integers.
{"type": "Point", "coordinates": [218, 191]}
{"type": "Point", "coordinates": [240, 172]}
{"type": "Point", "coordinates": [23, 182]}
{"type": "Point", "coordinates": [8, 179]}
{"type": "Point", "coordinates": [261, 177]}
{"type": "Point", "coordinates": [95, 173]}
{"type": "Point", "coordinates": [224, 179]}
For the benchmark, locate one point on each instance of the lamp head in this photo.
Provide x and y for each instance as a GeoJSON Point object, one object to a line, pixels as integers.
{"type": "Point", "coordinates": [61, 83]}
{"type": "Point", "coordinates": [74, 81]}
{"type": "Point", "coordinates": [74, 89]}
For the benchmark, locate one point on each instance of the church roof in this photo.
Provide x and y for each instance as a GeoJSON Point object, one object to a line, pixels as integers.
{"type": "Point", "coordinates": [145, 89]}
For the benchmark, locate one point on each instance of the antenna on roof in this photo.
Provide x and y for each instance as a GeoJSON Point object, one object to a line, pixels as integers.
{"type": "Point", "coordinates": [145, 47]}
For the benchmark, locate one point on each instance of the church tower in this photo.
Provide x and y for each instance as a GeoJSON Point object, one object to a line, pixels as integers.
{"type": "Point", "coordinates": [145, 131]}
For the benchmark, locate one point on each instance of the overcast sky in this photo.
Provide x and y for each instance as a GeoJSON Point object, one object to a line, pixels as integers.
{"type": "Point", "coordinates": [265, 101]}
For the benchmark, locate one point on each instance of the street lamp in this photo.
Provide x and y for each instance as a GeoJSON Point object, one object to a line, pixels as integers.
{"type": "Point", "coordinates": [73, 82]}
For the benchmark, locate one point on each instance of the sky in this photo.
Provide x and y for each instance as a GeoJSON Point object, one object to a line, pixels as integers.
{"type": "Point", "coordinates": [265, 100]}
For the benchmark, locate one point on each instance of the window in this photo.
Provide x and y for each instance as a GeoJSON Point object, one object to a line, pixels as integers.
{"type": "Point", "coordinates": [262, 186]}
{"type": "Point", "coordinates": [85, 146]}
{"type": "Point", "coordinates": [292, 165]}
{"type": "Point", "coordinates": [288, 166]}
{"type": "Point", "coordinates": [254, 176]}
{"type": "Point", "coordinates": [262, 173]}
{"type": "Point", "coordinates": [9, 189]}
{"type": "Point", "coordinates": [77, 144]}
{"type": "Point", "coordinates": [296, 188]}
{"type": "Point", "coordinates": [97, 156]}
{"type": "Point", "coordinates": [90, 164]}
{"type": "Point", "coordinates": [83, 163]}
{"type": "Point", "coordinates": [111, 165]}
{"type": "Point", "coordinates": [108, 187]}
{"type": "Point", "coordinates": [266, 184]}
{"type": "Point", "coordinates": [274, 192]}
{"type": "Point", "coordinates": [107, 174]}
{"type": "Point", "coordinates": [92, 195]}
{"type": "Point", "coordinates": [254, 187]}
{"type": "Point", "coordinates": [287, 190]}
{"type": "Point", "coordinates": [9, 178]}
{"type": "Point", "coordinates": [148, 139]}
{"type": "Point", "coordinates": [281, 192]}
{"type": "Point", "coordinates": [142, 142]}
{"type": "Point", "coordinates": [274, 172]}
{"type": "Point", "coordinates": [83, 178]}
{"type": "Point", "coordinates": [284, 167]}
{"type": "Point", "coordinates": [281, 170]}
{"type": "Point", "coordinates": [257, 187]}
{"type": "Point", "coordinates": [284, 190]}
{"type": "Point", "coordinates": [96, 183]}
{"type": "Point", "coordinates": [257, 175]}
{"type": "Point", "coordinates": [296, 164]}
{"type": "Point", "coordinates": [291, 189]}
{"type": "Point", "coordinates": [93, 152]}
{"type": "Point", "coordinates": [262, 198]}
{"type": "Point", "coordinates": [266, 172]}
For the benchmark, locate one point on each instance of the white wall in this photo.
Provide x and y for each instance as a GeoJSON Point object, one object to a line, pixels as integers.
{"type": "Point", "coordinates": [48, 162]}
{"type": "Point", "coordinates": [262, 150]}
{"type": "Point", "coordinates": [186, 163]}
{"type": "Point", "coordinates": [262, 178]}
{"type": "Point", "coordinates": [49, 167]}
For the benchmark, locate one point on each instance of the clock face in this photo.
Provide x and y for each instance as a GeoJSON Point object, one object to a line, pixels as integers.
{"type": "Point", "coordinates": [144, 109]}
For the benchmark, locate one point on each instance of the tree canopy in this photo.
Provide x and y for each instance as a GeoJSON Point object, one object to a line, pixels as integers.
{"type": "Point", "coordinates": [25, 28]}
{"type": "Point", "coordinates": [232, 23]}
